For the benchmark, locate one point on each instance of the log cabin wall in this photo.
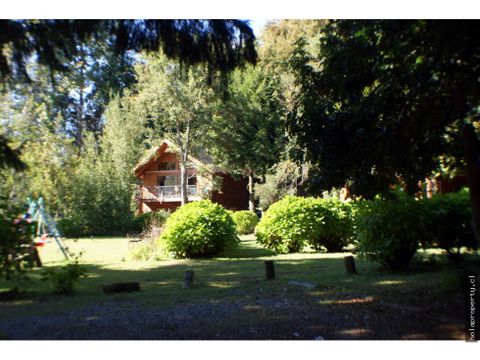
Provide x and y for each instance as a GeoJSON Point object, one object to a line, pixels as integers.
{"type": "Point", "coordinates": [233, 195]}
{"type": "Point", "coordinates": [151, 172]}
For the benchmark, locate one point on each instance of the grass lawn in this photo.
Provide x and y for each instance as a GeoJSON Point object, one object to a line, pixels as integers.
{"type": "Point", "coordinates": [238, 275]}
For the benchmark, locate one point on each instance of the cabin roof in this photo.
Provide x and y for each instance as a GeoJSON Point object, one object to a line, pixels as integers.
{"type": "Point", "coordinates": [153, 154]}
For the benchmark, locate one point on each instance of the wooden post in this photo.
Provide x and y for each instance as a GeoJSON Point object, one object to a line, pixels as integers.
{"type": "Point", "coordinates": [350, 264]}
{"type": "Point", "coordinates": [269, 270]}
{"type": "Point", "coordinates": [188, 281]}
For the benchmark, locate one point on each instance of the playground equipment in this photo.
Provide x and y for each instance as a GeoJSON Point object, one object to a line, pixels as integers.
{"type": "Point", "coordinates": [46, 226]}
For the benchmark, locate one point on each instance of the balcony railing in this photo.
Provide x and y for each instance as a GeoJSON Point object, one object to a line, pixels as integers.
{"type": "Point", "coordinates": [164, 193]}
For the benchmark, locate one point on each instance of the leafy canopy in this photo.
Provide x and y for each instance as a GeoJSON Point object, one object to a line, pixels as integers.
{"type": "Point", "coordinates": [223, 44]}
{"type": "Point", "coordinates": [386, 98]}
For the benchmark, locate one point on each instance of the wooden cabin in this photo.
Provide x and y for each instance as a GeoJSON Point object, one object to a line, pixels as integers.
{"type": "Point", "coordinates": [158, 186]}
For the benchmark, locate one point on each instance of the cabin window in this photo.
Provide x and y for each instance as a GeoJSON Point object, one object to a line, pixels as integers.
{"type": "Point", "coordinates": [167, 165]}
{"type": "Point", "coordinates": [168, 180]}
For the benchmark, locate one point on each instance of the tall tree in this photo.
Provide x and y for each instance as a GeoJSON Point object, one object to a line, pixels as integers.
{"type": "Point", "coordinates": [389, 98]}
{"type": "Point", "coordinates": [101, 186]}
{"type": "Point", "coordinates": [247, 132]}
{"type": "Point", "coordinates": [223, 44]}
{"type": "Point", "coordinates": [179, 104]}
{"type": "Point", "coordinates": [47, 153]}
{"type": "Point", "coordinates": [278, 43]}
{"type": "Point", "coordinates": [77, 96]}
{"type": "Point", "coordinates": [81, 93]}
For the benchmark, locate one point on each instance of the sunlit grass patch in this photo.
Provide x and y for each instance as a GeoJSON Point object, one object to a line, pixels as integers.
{"type": "Point", "coordinates": [238, 275]}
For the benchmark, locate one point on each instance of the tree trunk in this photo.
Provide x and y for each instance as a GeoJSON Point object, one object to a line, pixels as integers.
{"type": "Point", "coordinates": [251, 194]}
{"type": "Point", "coordinates": [183, 183]}
{"type": "Point", "coordinates": [80, 125]}
{"type": "Point", "coordinates": [79, 130]}
{"type": "Point", "coordinates": [472, 158]}
{"type": "Point", "coordinates": [184, 149]}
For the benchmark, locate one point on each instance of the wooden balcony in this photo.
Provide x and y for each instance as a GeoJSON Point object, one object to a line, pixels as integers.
{"type": "Point", "coordinates": [165, 193]}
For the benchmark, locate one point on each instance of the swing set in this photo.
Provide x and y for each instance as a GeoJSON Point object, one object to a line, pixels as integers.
{"type": "Point", "coordinates": [46, 226]}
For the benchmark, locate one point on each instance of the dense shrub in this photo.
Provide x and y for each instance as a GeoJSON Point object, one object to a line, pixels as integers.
{"type": "Point", "coordinates": [389, 231]}
{"type": "Point", "coordinates": [198, 229]}
{"type": "Point", "coordinates": [150, 219]}
{"type": "Point", "coordinates": [289, 224]}
{"type": "Point", "coordinates": [448, 218]}
{"type": "Point", "coordinates": [16, 238]}
{"type": "Point", "coordinates": [336, 230]}
{"type": "Point", "coordinates": [69, 228]}
{"type": "Point", "coordinates": [293, 222]}
{"type": "Point", "coordinates": [245, 221]}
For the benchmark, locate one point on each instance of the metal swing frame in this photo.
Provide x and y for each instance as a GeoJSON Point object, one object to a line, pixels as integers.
{"type": "Point", "coordinates": [45, 223]}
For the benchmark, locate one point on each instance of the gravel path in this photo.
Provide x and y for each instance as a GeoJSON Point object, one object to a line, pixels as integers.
{"type": "Point", "coordinates": [114, 321]}
{"type": "Point", "coordinates": [263, 318]}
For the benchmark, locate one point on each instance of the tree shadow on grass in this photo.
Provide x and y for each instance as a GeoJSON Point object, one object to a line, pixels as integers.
{"type": "Point", "coordinates": [314, 294]}
{"type": "Point", "coordinates": [311, 292]}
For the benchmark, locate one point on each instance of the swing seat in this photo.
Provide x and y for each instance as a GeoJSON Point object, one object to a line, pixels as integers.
{"type": "Point", "coordinates": [39, 243]}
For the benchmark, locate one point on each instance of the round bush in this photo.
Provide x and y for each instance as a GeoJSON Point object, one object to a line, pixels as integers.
{"type": "Point", "coordinates": [198, 229]}
{"type": "Point", "coordinates": [448, 218]}
{"type": "Point", "coordinates": [390, 231]}
{"type": "Point", "coordinates": [245, 221]}
{"type": "Point", "coordinates": [336, 230]}
{"type": "Point", "coordinates": [289, 224]}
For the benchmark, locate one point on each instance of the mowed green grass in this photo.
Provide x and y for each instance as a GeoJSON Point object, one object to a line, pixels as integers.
{"type": "Point", "coordinates": [237, 275]}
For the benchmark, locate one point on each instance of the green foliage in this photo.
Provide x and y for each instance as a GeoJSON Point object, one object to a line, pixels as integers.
{"type": "Point", "coordinates": [337, 227]}
{"type": "Point", "coordinates": [368, 120]}
{"type": "Point", "coordinates": [93, 189]}
{"type": "Point", "coordinates": [278, 44]}
{"type": "Point", "coordinates": [247, 133]}
{"type": "Point", "coordinates": [9, 157]}
{"type": "Point", "coordinates": [294, 222]}
{"type": "Point", "coordinates": [449, 219]}
{"type": "Point", "coordinates": [283, 179]}
{"type": "Point", "coordinates": [198, 229]}
{"type": "Point", "coordinates": [16, 240]}
{"type": "Point", "coordinates": [222, 44]}
{"type": "Point", "coordinates": [146, 250]}
{"type": "Point", "coordinates": [64, 278]}
{"type": "Point", "coordinates": [69, 228]}
{"type": "Point", "coordinates": [390, 231]}
{"type": "Point", "coordinates": [50, 157]}
{"type": "Point", "coordinates": [247, 130]}
{"type": "Point", "coordinates": [289, 224]}
{"type": "Point", "coordinates": [245, 221]}
{"type": "Point", "coordinates": [151, 219]}
{"type": "Point", "coordinates": [179, 104]}
{"type": "Point", "coordinates": [101, 186]}
{"type": "Point", "coordinates": [99, 201]}
{"type": "Point", "coordinates": [72, 98]}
